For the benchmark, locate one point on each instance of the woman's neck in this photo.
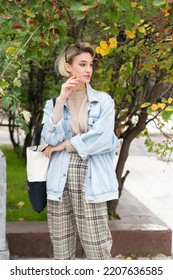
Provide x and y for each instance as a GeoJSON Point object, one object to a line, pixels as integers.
{"type": "Point", "coordinates": [79, 87]}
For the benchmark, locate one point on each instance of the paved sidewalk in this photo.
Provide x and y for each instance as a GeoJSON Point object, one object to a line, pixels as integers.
{"type": "Point", "coordinates": [151, 181]}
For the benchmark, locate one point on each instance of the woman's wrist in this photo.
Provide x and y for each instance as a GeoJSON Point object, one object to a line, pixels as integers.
{"type": "Point", "coordinates": [59, 98]}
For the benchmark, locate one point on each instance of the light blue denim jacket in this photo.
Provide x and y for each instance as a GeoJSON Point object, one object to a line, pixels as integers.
{"type": "Point", "coordinates": [97, 145]}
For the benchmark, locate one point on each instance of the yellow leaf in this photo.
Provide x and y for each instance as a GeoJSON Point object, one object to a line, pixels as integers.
{"type": "Point", "coordinates": [154, 107]}
{"type": "Point", "coordinates": [170, 99]}
{"type": "Point", "coordinates": [104, 45]}
{"type": "Point", "coordinates": [28, 13]}
{"type": "Point", "coordinates": [142, 20]}
{"type": "Point", "coordinates": [168, 79]}
{"type": "Point", "coordinates": [10, 49]}
{"type": "Point", "coordinates": [113, 43]}
{"type": "Point", "coordinates": [98, 49]}
{"type": "Point", "coordinates": [130, 34]}
{"type": "Point", "coordinates": [21, 219]}
{"type": "Point", "coordinates": [166, 13]}
{"type": "Point", "coordinates": [107, 28]}
{"type": "Point", "coordinates": [133, 4]}
{"type": "Point", "coordinates": [104, 52]}
{"type": "Point", "coordinates": [161, 105]}
{"type": "Point", "coordinates": [20, 204]}
{"type": "Point", "coordinates": [142, 29]}
{"type": "Point", "coordinates": [104, 48]}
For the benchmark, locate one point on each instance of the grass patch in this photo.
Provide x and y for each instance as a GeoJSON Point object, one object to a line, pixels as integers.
{"type": "Point", "coordinates": [18, 204]}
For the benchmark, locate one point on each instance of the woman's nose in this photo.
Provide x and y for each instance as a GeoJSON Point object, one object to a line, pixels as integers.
{"type": "Point", "coordinates": [88, 69]}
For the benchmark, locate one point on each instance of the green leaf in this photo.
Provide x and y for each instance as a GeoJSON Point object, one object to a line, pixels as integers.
{"type": "Point", "coordinates": [101, 1]}
{"type": "Point", "coordinates": [19, 74]}
{"type": "Point", "coordinates": [79, 7]}
{"type": "Point", "coordinates": [129, 98]}
{"type": "Point", "coordinates": [21, 51]}
{"type": "Point", "coordinates": [23, 125]}
{"type": "Point", "coordinates": [159, 3]}
{"type": "Point", "coordinates": [13, 108]}
{"type": "Point", "coordinates": [169, 108]}
{"type": "Point", "coordinates": [17, 82]}
{"type": "Point", "coordinates": [39, 18]}
{"type": "Point", "coordinates": [166, 115]}
{"type": "Point", "coordinates": [6, 102]}
{"type": "Point", "coordinates": [149, 110]}
{"type": "Point", "coordinates": [164, 100]}
{"type": "Point", "coordinates": [146, 104]}
{"type": "Point", "coordinates": [4, 83]}
{"type": "Point", "coordinates": [16, 91]}
{"type": "Point", "coordinates": [26, 115]}
{"type": "Point", "coordinates": [45, 51]}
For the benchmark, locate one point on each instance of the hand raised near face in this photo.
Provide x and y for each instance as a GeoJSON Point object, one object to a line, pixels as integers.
{"type": "Point", "coordinates": [68, 87]}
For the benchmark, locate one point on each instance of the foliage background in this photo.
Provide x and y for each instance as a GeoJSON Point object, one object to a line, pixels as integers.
{"type": "Point", "coordinates": [137, 72]}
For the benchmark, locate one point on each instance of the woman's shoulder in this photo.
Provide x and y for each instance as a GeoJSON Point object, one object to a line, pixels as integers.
{"type": "Point", "coordinates": [50, 102]}
{"type": "Point", "coordinates": [102, 96]}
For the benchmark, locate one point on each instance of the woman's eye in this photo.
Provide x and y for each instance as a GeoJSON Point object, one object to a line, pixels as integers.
{"type": "Point", "coordinates": [84, 65]}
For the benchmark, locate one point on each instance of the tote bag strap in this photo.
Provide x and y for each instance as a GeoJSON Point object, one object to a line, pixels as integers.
{"type": "Point", "coordinates": [37, 137]}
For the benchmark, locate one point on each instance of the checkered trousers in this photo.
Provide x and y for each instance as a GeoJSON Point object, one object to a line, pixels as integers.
{"type": "Point", "coordinates": [73, 214]}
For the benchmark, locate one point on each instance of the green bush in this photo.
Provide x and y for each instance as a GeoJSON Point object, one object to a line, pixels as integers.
{"type": "Point", "coordinates": [18, 204]}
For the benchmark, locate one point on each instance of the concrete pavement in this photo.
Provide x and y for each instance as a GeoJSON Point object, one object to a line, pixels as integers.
{"type": "Point", "coordinates": [5, 136]}
{"type": "Point", "coordinates": [151, 181]}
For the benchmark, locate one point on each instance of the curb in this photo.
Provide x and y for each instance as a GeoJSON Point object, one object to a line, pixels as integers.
{"type": "Point", "coordinates": [138, 232]}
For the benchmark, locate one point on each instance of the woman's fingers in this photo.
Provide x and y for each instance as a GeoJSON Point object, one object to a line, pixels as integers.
{"type": "Point", "coordinates": [70, 83]}
{"type": "Point", "coordinates": [68, 87]}
{"type": "Point", "coordinates": [48, 151]}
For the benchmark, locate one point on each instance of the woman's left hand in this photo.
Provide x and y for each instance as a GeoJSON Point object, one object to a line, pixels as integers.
{"type": "Point", "coordinates": [50, 149]}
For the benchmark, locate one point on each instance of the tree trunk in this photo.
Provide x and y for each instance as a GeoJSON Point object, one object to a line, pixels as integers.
{"type": "Point", "coordinates": [13, 128]}
{"type": "Point", "coordinates": [35, 102]}
{"type": "Point", "coordinates": [124, 153]}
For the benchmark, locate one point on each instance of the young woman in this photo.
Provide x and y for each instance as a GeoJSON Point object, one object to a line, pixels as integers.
{"type": "Point", "coordinates": [81, 178]}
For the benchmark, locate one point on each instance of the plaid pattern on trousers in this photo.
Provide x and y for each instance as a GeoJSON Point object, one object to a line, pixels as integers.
{"type": "Point", "coordinates": [73, 214]}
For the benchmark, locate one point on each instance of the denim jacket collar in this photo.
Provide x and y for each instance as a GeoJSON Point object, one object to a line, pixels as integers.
{"type": "Point", "coordinates": [91, 96]}
{"type": "Point", "coordinates": [90, 92]}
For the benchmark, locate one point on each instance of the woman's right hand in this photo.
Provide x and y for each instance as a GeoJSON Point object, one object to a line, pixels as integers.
{"type": "Point", "coordinates": [50, 149]}
{"type": "Point", "coordinates": [68, 87]}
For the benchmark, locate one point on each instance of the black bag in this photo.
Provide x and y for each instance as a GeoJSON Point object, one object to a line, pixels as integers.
{"type": "Point", "coordinates": [37, 195]}
{"type": "Point", "coordinates": [37, 165]}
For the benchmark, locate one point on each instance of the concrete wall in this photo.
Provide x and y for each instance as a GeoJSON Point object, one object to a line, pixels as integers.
{"type": "Point", "coordinates": [4, 252]}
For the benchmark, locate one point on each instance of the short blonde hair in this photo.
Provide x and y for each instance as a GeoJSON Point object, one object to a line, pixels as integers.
{"type": "Point", "coordinates": [68, 54]}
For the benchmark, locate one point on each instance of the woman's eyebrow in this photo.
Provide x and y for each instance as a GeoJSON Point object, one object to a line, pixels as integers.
{"type": "Point", "coordinates": [85, 61]}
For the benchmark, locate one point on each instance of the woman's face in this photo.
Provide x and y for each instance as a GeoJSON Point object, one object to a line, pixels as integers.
{"type": "Point", "coordinates": [81, 67]}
